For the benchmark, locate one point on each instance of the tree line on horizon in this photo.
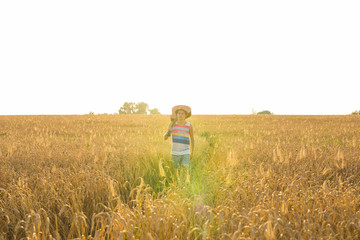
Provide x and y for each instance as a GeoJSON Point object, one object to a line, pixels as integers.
{"type": "Point", "coordinates": [137, 108]}
{"type": "Point", "coordinates": [143, 108]}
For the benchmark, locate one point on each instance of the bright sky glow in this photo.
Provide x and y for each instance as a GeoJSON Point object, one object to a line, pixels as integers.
{"type": "Point", "coordinates": [219, 57]}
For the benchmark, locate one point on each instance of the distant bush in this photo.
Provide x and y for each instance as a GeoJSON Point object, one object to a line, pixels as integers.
{"type": "Point", "coordinates": [356, 112]}
{"type": "Point", "coordinates": [154, 111]}
{"type": "Point", "coordinates": [265, 112]}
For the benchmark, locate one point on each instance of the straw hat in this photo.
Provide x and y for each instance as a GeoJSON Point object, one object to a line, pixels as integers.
{"type": "Point", "coordinates": [187, 109]}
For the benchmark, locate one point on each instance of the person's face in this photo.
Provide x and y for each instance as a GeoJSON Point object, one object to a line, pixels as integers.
{"type": "Point", "coordinates": [181, 114]}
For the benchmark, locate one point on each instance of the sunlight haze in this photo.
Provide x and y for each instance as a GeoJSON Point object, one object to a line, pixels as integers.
{"type": "Point", "coordinates": [219, 57]}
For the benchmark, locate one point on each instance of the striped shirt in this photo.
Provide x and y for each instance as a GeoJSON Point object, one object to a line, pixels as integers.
{"type": "Point", "coordinates": [180, 139]}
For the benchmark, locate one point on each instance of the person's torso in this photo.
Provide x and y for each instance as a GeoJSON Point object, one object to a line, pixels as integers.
{"type": "Point", "coordinates": [181, 139]}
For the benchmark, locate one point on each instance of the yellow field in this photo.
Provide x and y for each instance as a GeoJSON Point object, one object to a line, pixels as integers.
{"type": "Point", "coordinates": [111, 177]}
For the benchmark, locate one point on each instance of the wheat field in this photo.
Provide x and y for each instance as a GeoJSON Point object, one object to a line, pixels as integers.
{"type": "Point", "coordinates": [111, 177]}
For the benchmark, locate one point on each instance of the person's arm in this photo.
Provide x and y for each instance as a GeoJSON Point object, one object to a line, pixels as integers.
{"type": "Point", "coordinates": [192, 141]}
{"type": "Point", "coordinates": [168, 132]}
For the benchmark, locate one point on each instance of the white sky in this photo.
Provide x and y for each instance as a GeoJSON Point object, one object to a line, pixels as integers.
{"type": "Point", "coordinates": [219, 57]}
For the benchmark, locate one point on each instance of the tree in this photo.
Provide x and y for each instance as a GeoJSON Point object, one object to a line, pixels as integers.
{"type": "Point", "coordinates": [142, 108]}
{"type": "Point", "coordinates": [127, 108]}
{"type": "Point", "coordinates": [356, 112]}
{"type": "Point", "coordinates": [154, 111]}
{"type": "Point", "coordinates": [137, 108]}
{"type": "Point", "coordinates": [265, 112]}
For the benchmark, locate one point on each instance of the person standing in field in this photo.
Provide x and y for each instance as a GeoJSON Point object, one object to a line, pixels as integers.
{"type": "Point", "coordinates": [182, 136]}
